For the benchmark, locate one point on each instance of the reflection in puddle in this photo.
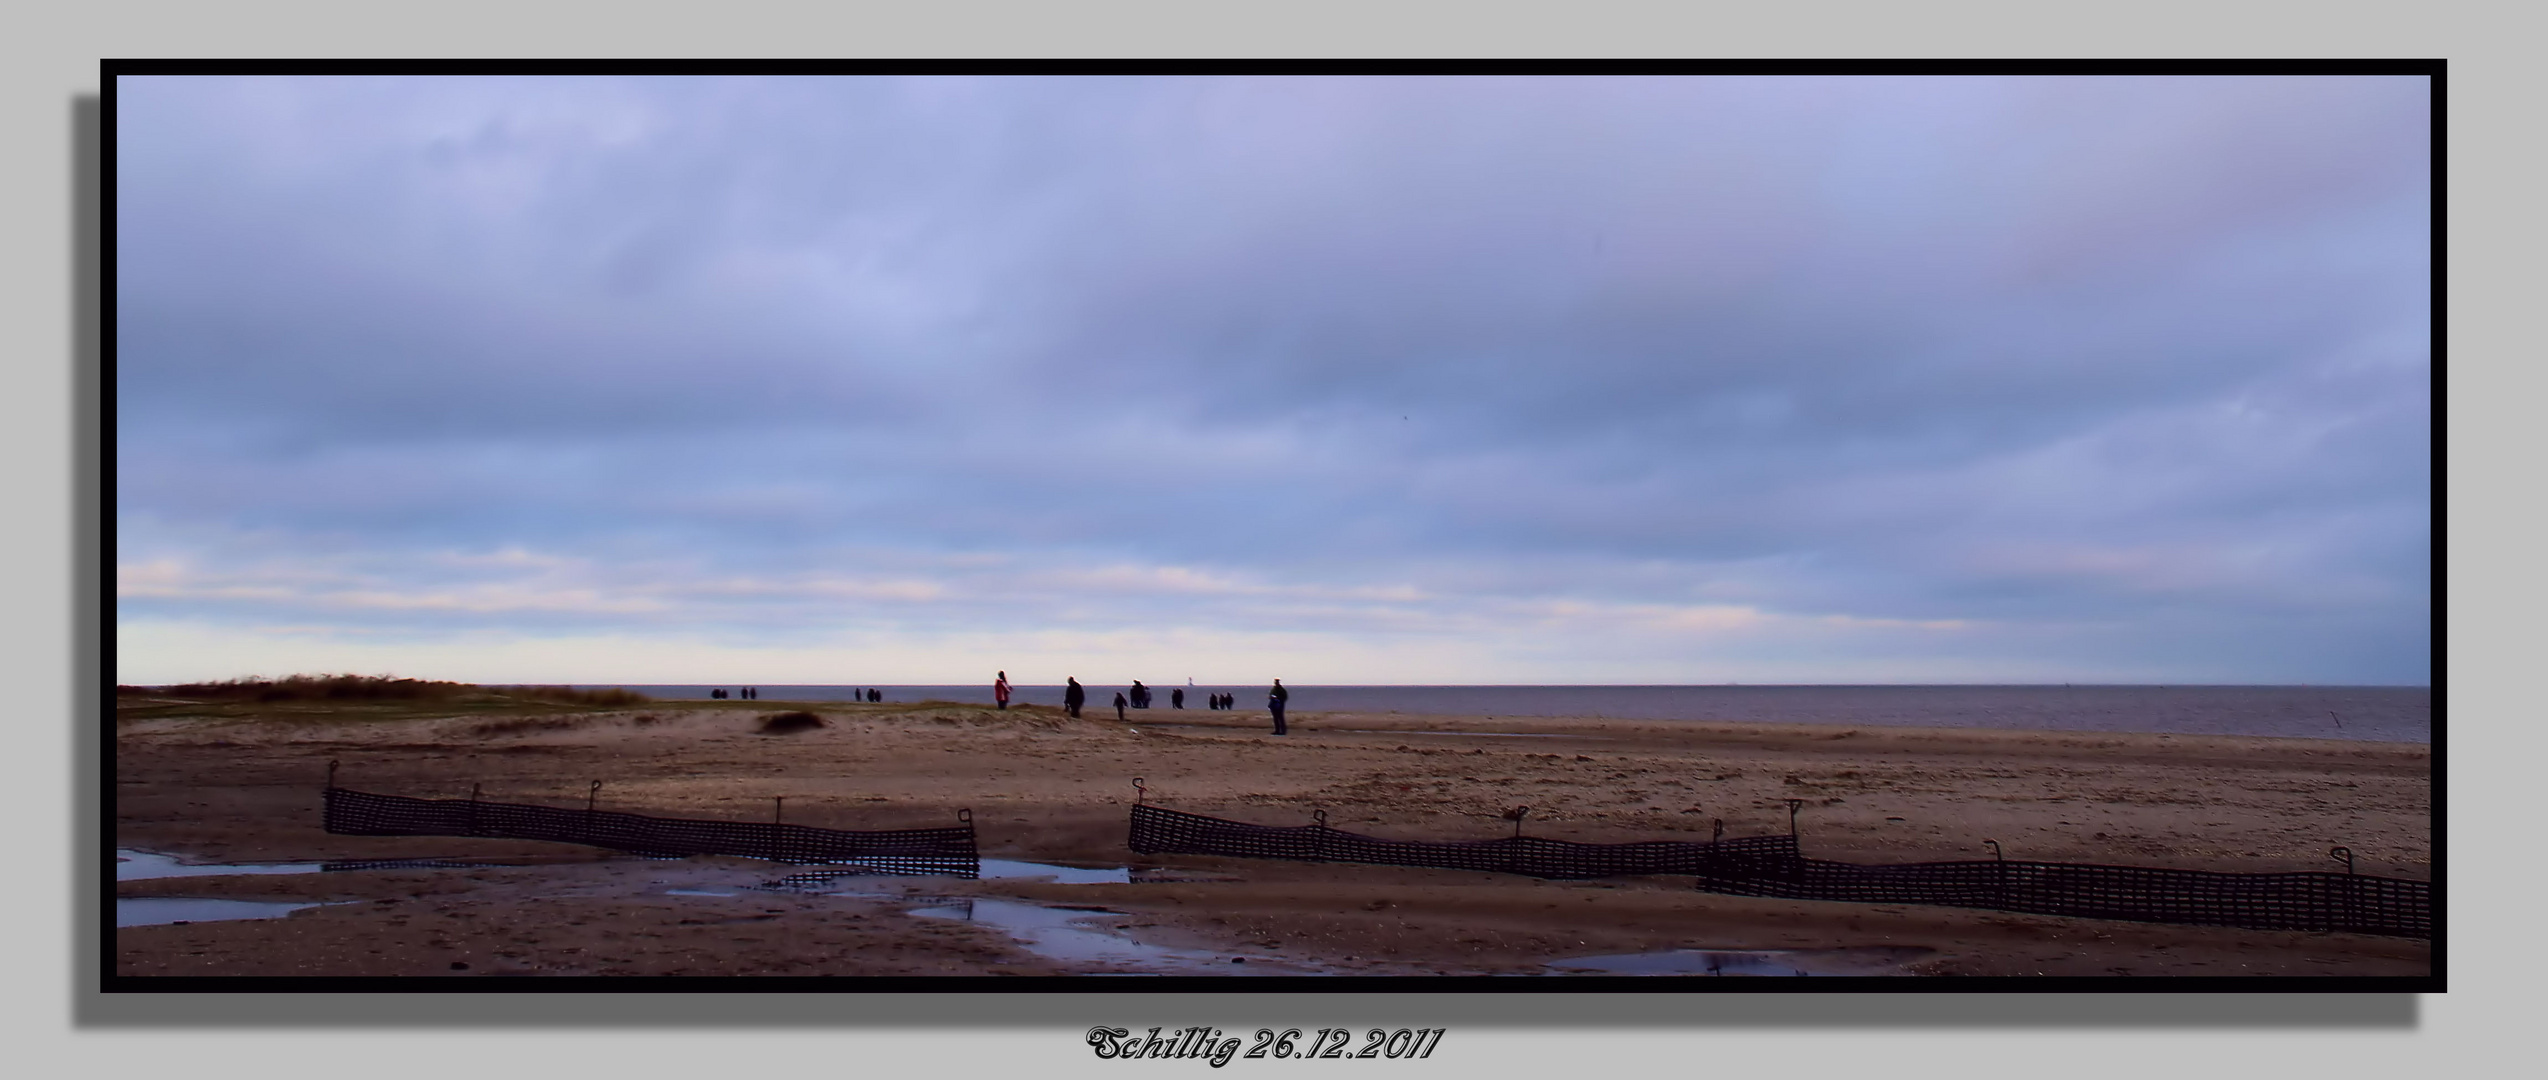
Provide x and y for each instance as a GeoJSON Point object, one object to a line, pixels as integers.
{"type": "Point", "coordinates": [410, 864]}
{"type": "Point", "coordinates": [830, 881]}
{"type": "Point", "coordinates": [164, 910]}
{"type": "Point", "coordinates": [1778, 962]}
{"type": "Point", "coordinates": [1060, 875]}
{"type": "Point", "coordinates": [131, 865]}
{"type": "Point", "coordinates": [698, 892]}
{"type": "Point", "coordinates": [1062, 934]}
{"type": "Point", "coordinates": [1482, 734]}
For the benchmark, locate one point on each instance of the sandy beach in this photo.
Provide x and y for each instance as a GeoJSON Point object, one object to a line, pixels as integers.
{"type": "Point", "coordinates": [243, 785]}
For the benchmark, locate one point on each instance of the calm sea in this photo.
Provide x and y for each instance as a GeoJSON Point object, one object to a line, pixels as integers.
{"type": "Point", "coordinates": [2375, 713]}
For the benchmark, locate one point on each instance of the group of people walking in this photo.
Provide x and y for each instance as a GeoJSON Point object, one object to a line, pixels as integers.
{"type": "Point", "coordinates": [1075, 696]}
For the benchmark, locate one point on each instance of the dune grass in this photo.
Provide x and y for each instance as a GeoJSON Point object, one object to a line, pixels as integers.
{"type": "Point", "coordinates": [355, 695]}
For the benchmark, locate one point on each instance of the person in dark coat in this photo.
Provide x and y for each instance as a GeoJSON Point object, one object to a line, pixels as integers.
{"type": "Point", "coordinates": [1073, 697]}
{"type": "Point", "coordinates": [1119, 706]}
{"type": "Point", "coordinates": [1177, 698]}
{"type": "Point", "coordinates": [1140, 695]}
{"type": "Point", "coordinates": [1274, 700]}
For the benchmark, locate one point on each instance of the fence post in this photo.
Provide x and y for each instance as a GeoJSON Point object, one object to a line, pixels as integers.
{"type": "Point", "coordinates": [1712, 862]}
{"type": "Point", "coordinates": [1999, 877]}
{"type": "Point", "coordinates": [778, 828]}
{"type": "Point", "coordinates": [1324, 847]}
{"type": "Point", "coordinates": [2347, 917]}
{"type": "Point", "coordinates": [1141, 794]}
{"type": "Point", "coordinates": [1513, 845]}
{"type": "Point", "coordinates": [1793, 805]}
{"type": "Point", "coordinates": [592, 796]}
{"type": "Point", "coordinates": [331, 775]}
{"type": "Point", "coordinates": [473, 809]}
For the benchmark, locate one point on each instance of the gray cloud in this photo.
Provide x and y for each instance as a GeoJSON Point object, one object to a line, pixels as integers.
{"type": "Point", "coordinates": [2124, 376]}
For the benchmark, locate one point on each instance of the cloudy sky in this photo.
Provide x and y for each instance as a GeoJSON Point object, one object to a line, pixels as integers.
{"type": "Point", "coordinates": [1339, 380]}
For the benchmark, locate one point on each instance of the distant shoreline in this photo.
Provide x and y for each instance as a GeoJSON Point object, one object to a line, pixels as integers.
{"type": "Point", "coordinates": [2353, 713]}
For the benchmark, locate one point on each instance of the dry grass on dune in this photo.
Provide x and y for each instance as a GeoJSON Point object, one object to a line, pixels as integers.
{"type": "Point", "coordinates": [365, 693]}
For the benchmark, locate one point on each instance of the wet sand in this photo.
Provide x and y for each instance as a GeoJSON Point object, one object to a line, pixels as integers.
{"type": "Point", "coordinates": [1050, 789]}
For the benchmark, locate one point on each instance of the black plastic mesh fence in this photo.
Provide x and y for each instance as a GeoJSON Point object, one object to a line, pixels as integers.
{"type": "Point", "coordinates": [1770, 866]}
{"type": "Point", "coordinates": [948, 851]}
{"type": "Point", "coordinates": [2308, 901]}
{"type": "Point", "coordinates": [1155, 830]}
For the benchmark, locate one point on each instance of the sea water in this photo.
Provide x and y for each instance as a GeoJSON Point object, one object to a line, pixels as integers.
{"type": "Point", "coordinates": [2374, 713]}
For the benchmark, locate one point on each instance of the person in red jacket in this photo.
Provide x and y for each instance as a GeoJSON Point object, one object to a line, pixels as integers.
{"type": "Point", "coordinates": [1000, 689]}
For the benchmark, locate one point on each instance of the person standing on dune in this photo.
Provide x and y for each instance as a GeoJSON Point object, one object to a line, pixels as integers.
{"type": "Point", "coordinates": [1274, 700]}
{"type": "Point", "coordinates": [1000, 690]}
{"type": "Point", "coordinates": [1119, 706]}
{"type": "Point", "coordinates": [1073, 697]}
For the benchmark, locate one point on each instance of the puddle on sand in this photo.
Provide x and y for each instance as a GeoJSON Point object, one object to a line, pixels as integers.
{"type": "Point", "coordinates": [1061, 934]}
{"type": "Point", "coordinates": [166, 910]}
{"type": "Point", "coordinates": [1012, 869]}
{"type": "Point", "coordinates": [131, 865]}
{"type": "Point", "coordinates": [1769, 962]}
{"type": "Point", "coordinates": [1481, 734]}
{"type": "Point", "coordinates": [135, 865]}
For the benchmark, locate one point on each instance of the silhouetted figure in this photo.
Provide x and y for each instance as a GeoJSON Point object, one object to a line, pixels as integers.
{"type": "Point", "coordinates": [1177, 698]}
{"type": "Point", "coordinates": [1000, 690]}
{"type": "Point", "coordinates": [1119, 706]}
{"type": "Point", "coordinates": [1274, 700]}
{"type": "Point", "coordinates": [1140, 695]}
{"type": "Point", "coordinates": [876, 696]}
{"type": "Point", "coordinates": [1073, 697]}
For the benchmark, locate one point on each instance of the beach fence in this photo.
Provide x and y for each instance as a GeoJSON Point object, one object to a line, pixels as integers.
{"type": "Point", "coordinates": [943, 852]}
{"type": "Point", "coordinates": [2309, 901]}
{"type": "Point", "coordinates": [1772, 866]}
{"type": "Point", "coordinates": [1156, 830]}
